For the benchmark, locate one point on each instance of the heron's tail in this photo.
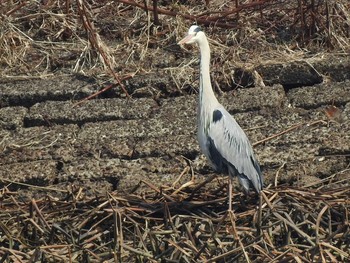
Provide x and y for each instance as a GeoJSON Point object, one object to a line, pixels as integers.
{"type": "Point", "coordinates": [247, 184]}
{"type": "Point", "coordinates": [244, 182]}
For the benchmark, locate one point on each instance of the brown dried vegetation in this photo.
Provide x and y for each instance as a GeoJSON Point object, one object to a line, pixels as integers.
{"type": "Point", "coordinates": [178, 222]}
{"type": "Point", "coordinates": [187, 223]}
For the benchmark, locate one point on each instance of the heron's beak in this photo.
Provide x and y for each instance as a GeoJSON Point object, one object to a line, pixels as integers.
{"type": "Point", "coordinates": [185, 40]}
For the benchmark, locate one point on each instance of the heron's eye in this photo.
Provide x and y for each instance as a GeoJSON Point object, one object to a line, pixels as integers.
{"type": "Point", "coordinates": [197, 29]}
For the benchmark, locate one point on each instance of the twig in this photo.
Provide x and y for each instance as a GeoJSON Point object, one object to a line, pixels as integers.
{"type": "Point", "coordinates": [100, 92]}
{"type": "Point", "coordinates": [34, 186]}
{"type": "Point", "coordinates": [158, 191]}
{"type": "Point", "coordinates": [318, 221]}
{"type": "Point", "coordinates": [296, 126]}
{"type": "Point", "coordinates": [278, 134]}
{"type": "Point", "coordinates": [19, 6]}
{"type": "Point", "coordinates": [278, 172]}
{"type": "Point", "coordinates": [136, 251]}
{"type": "Point", "coordinates": [33, 203]}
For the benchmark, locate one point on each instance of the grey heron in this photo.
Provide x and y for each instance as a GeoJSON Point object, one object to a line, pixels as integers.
{"type": "Point", "coordinates": [221, 139]}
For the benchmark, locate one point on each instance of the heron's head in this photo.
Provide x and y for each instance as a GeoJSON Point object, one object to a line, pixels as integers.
{"type": "Point", "coordinates": [193, 36]}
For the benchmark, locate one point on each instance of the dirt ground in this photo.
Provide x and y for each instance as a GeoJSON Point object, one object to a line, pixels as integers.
{"type": "Point", "coordinates": [296, 113]}
{"type": "Point", "coordinates": [48, 141]}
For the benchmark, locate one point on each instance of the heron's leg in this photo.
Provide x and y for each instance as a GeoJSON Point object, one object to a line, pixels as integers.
{"type": "Point", "coordinates": [230, 193]}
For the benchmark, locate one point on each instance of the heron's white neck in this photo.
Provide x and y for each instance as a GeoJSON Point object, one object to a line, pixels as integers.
{"type": "Point", "coordinates": [206, 93]}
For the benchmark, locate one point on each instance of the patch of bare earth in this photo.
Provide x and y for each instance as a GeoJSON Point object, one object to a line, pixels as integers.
{"type": "Point", "coordinates": [119, 177]}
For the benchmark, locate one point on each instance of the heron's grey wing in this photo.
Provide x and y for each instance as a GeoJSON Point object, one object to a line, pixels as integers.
{"type": "Point", "coordinates": [229, 148]}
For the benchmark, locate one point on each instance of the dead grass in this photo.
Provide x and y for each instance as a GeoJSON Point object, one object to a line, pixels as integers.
{"type": "Point", "coordinates": [187, 223]}
{"type": "Point", "coordinates": [41, 38]}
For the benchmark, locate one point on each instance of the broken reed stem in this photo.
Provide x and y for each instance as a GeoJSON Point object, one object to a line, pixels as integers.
{"type": "Point", "coordinates": [95, 43]}
{"type": "Point", "coordinates": [99, 92]}
{"type": "Point", "coordinates": [296, 126]}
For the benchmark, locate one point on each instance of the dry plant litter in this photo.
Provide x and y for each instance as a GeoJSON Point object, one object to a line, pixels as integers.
{"type": "Point", "coordinates": [173, 223]}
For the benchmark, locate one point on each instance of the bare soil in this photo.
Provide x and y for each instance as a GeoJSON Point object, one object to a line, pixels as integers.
{"type": "Point", "coordinates": [56, 141]}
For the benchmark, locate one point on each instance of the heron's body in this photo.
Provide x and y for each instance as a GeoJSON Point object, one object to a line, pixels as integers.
{"type": "Point", "coordinates": [220, 137]}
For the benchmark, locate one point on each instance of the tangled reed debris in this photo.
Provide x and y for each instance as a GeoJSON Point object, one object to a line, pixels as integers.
{"type": "Point", "coordinates": [192, 224]}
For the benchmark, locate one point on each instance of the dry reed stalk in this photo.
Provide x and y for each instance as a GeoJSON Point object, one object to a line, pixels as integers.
{"type": "Point", "coordinates": [313, 223]}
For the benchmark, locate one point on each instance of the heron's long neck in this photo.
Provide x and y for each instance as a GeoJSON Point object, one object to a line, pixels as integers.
{"type": "Point", "coordinates": [206, 93]}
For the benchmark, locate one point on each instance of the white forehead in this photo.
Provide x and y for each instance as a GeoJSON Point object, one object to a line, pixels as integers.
{"type": "Point", "coordinates": [194, 29]}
